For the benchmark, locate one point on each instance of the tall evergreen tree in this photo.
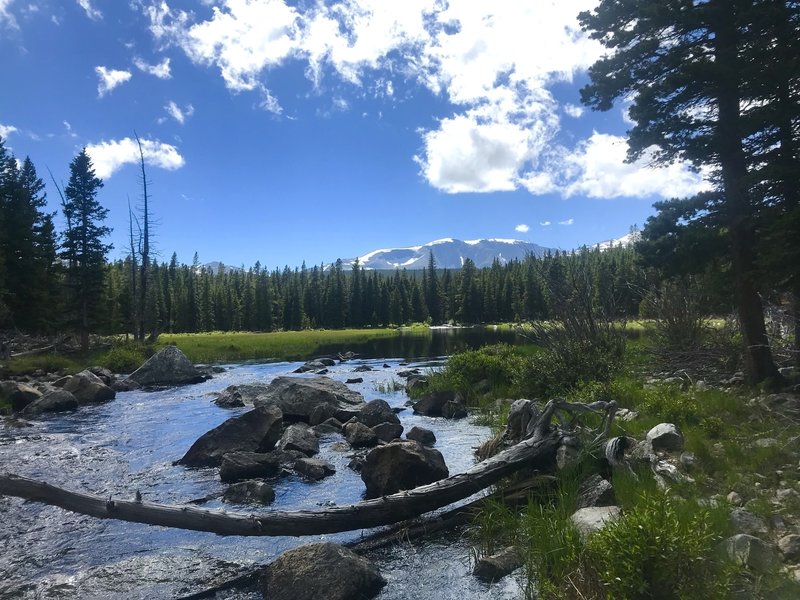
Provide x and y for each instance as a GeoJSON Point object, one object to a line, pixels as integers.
{"type": "Point", "coordinates": [83, 246]}
{"type": "Point", "coordinates": [685, 66]}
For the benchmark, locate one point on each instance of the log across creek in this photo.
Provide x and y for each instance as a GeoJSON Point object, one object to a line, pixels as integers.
{"type": "Point", "coordinates": [537, 452]}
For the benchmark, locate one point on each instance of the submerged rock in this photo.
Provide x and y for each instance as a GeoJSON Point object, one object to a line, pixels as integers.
{"type": "Point", "coordinates": [249, 492]}
{"type": "Point", "coordinates": [169, 366]}
{"type": "Point", "coordinates": [297, 397]}
{"type": "Point", "coordinates": [257, 430]}
{"type": "Point", "coordinates": [494, 567]}
{"type": "Point", "coordinates": [320, 571]}
{"type": "Point", "coordinates": [446, 404]}
{"type": "Point", "coordinates": [314, 468]}
{"type": "Point", "coordinates": [401, 465]}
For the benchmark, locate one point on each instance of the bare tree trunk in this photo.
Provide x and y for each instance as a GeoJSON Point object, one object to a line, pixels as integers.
{"type": "Point", "coordinates": [537, 452]}
{"type": "Point", "coordinates": [145, 270]}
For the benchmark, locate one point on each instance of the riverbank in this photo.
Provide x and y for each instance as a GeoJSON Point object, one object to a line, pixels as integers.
{"type": "Point", "coordinates": [721, 520]}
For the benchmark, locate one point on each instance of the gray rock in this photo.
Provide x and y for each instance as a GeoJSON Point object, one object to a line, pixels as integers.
{"type": "Point", "coordinates": [751, 552]}
{"type": "Point", "coordinates": [229, 399]}
{"type": "Point", "coordinates": [594, 518]}
{"type": "Point", "coordinates": [314, 468]}
{"type": "Point", "coordinates": [56, 401]}
{"type": "Point", "coordinates": [387, 432]}
{"type": "Point", "coordinates": [236, 466]}
{"type": "Point", "coordinates": [734, 498]}
{"type": "Point", "coordinates": [665, 436]}
{"type": "Point", "coordinates": [105, 375]}
{"type": "Point", "coordinates": [494, 567]}
{"type": "Point", "coordinates": [431, 404]}
{"type": "Point", "coordinates": [323, 571]}
{"type": "Point", "coordinates": [168, 366]}
{"type": "Point", "coordinates": [789, 545]}
{"type": "Point", "coordinates": [743, 521]}
{"type": "Point", "coordinates": [355, 380]}
{"type": "Point", "coordinates": [249, 492]}
{"type": "Point", "coordinates": [359, 435]}
{"type": "Point", "coordinates": [595, 491]}
{"type": "Point", "coordinates": [401, 465]}
{"type": "Point", "coordinates": [19, 395]}
{"type": "Point", "coordinates": [424, 436]}
{"type": "Point", "coordinates": [454, 409]}
{"type": "Point", "coordinates": [376, 412]}
{"type": "Point", "coordinates": [299, 437]}
{"type": "Point", "coordinates": [256, 430]}
{"type": "Point", "coordinates": [567, 456]}
{"type": "Point", "coordinates": [298, 397]}
{"type": "Point", "coordinates": [247, 392]}
{"type": "Point", "coordinates": [362, 369]}
{"type": "Point", "coordinates": [88, 388]}
{"type": "Point", "coordinates": [415, 382]}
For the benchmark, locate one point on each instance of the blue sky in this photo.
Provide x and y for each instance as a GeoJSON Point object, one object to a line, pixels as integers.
{"type": "Point", "coordinates": [287, 131]}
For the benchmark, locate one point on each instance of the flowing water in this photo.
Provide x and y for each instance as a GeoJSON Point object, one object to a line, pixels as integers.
{"type": "Point", "coordinates": [130, 443]}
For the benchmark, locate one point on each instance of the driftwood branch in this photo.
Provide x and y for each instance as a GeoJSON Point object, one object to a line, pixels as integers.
{"type": "Point", "coordinates": [537, 452]}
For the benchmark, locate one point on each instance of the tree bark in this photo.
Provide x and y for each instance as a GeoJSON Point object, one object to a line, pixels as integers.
{"type": "Point", "coordinates": [738, 203]}
{"type": "Point", "coordinates": [537, 453]}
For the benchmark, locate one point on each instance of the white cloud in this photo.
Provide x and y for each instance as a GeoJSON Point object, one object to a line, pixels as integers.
{"type": "Point", "coordinates": [603, 173]}
{"type": "Point", "coordinates": [573, 110]}
{"type": "Point", "coordinates": [161, 70]}
{"type": "Point", "coordinates": [109, 79]}
{"type": "Point", "coordinates": [68, 127]}
{"type": "Point", "coordinates": [178, 113]}
{"type": "Point", "coordinates": [522, 228]}
{"type": "Point", "coordinates": [109, 157]}
{"type": "Point", "coordinates": [5, 15]}
{"type": "Point", "coordinates": [90, 11]}
{"type": "Point", "coordinates": [5, 130]}
{"type": "Point", "coordinates": [545, 223]}
{"type": "Point", "coordinates": [503, 131]}
{"type": "Point", "coordinates": [569, 221]}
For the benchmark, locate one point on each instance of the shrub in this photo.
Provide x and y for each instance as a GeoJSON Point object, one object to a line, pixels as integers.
{"type": "Point", "coordinates": [662, 548]}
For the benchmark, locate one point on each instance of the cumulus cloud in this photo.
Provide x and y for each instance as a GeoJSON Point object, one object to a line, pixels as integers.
{"type": "Point", "coordinates": [603, 173]}
{"type": "Point", "coordinates": [573, 110]}
{"type": "Point", "coordinates": [178, 113]}
{"type": "Point", "coordinates": [522, 228]}
{"type": "Point", "coordinates": [160, 70]}
{"type": "Point", "coordinates": [5, 130]}
{"type": "Point", "coordinates": [109, 79]}
{"type": "Point", "coordinates": [545, 223]}
{"type": "Point", "coordinates": [569, 221]}
{"type": "Point", "coordinates": [91, 12]}
{"type": "Point", "coordinates": [109, 157]}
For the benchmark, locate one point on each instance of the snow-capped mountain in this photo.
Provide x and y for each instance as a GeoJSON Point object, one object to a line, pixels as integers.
{"type": "Point", "coordinates": [626, 240]}
{"type": "Point", "coordinates": [448, 253]}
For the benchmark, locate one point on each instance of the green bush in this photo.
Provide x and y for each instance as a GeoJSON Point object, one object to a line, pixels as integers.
{"type": "Point", "coordinates": [126, 358]}
{"type": "Point", "coordinates": [663, 548]}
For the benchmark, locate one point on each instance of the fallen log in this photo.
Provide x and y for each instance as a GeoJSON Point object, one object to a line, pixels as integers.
{"type": "Point", "coordinates": [537, 453]}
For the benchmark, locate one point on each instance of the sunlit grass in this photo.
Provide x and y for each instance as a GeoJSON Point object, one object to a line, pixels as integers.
{"type": "Point", "coordinates": [279, 345]}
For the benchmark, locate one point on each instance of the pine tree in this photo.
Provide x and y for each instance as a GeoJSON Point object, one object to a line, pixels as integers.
{"type": "Point", "coordinates": [83, 246]}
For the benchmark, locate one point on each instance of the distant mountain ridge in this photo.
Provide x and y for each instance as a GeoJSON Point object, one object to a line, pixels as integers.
{"type": "Point", "coordinates": [449, 253]}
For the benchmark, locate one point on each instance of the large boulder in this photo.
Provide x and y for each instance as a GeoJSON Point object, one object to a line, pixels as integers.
{"type": "Point", "coordinates": [387, 432]}
{"type": "Point", "coordinates": [299, 437]}
{"type": "Point", "coordinates": [376, 412]}
{"type": "Point", "coordinates": [317, 571]}
{"type": "Point", "coordinates": [88, 388]}
{"type": "Point", "coordinates": [236, 466]}
{"type": "Point", "coordinates": [448, 404]}
{"type": "Point", "coordinates": [297, 397]}
{"type": "Point", "coordinates": [751, 552]}
{"type": "Point", "coordinates": [19, 395]}
{"type": "Point", "coordinates": [168, 366]}
{"type": "Point", "coordinates": [424, 436]}
{"type": "Point", "coordinates": [55, 401]}
{"type": "Point", "coordinates": [401, 465]}
{"type": "Point", "coordinates": [359, 435]}
{"type": "Point", "coordinates": [255, 431]}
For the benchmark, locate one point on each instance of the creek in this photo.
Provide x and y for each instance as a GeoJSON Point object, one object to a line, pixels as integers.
{"type": "Point", "coordinates": [130, 443]}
